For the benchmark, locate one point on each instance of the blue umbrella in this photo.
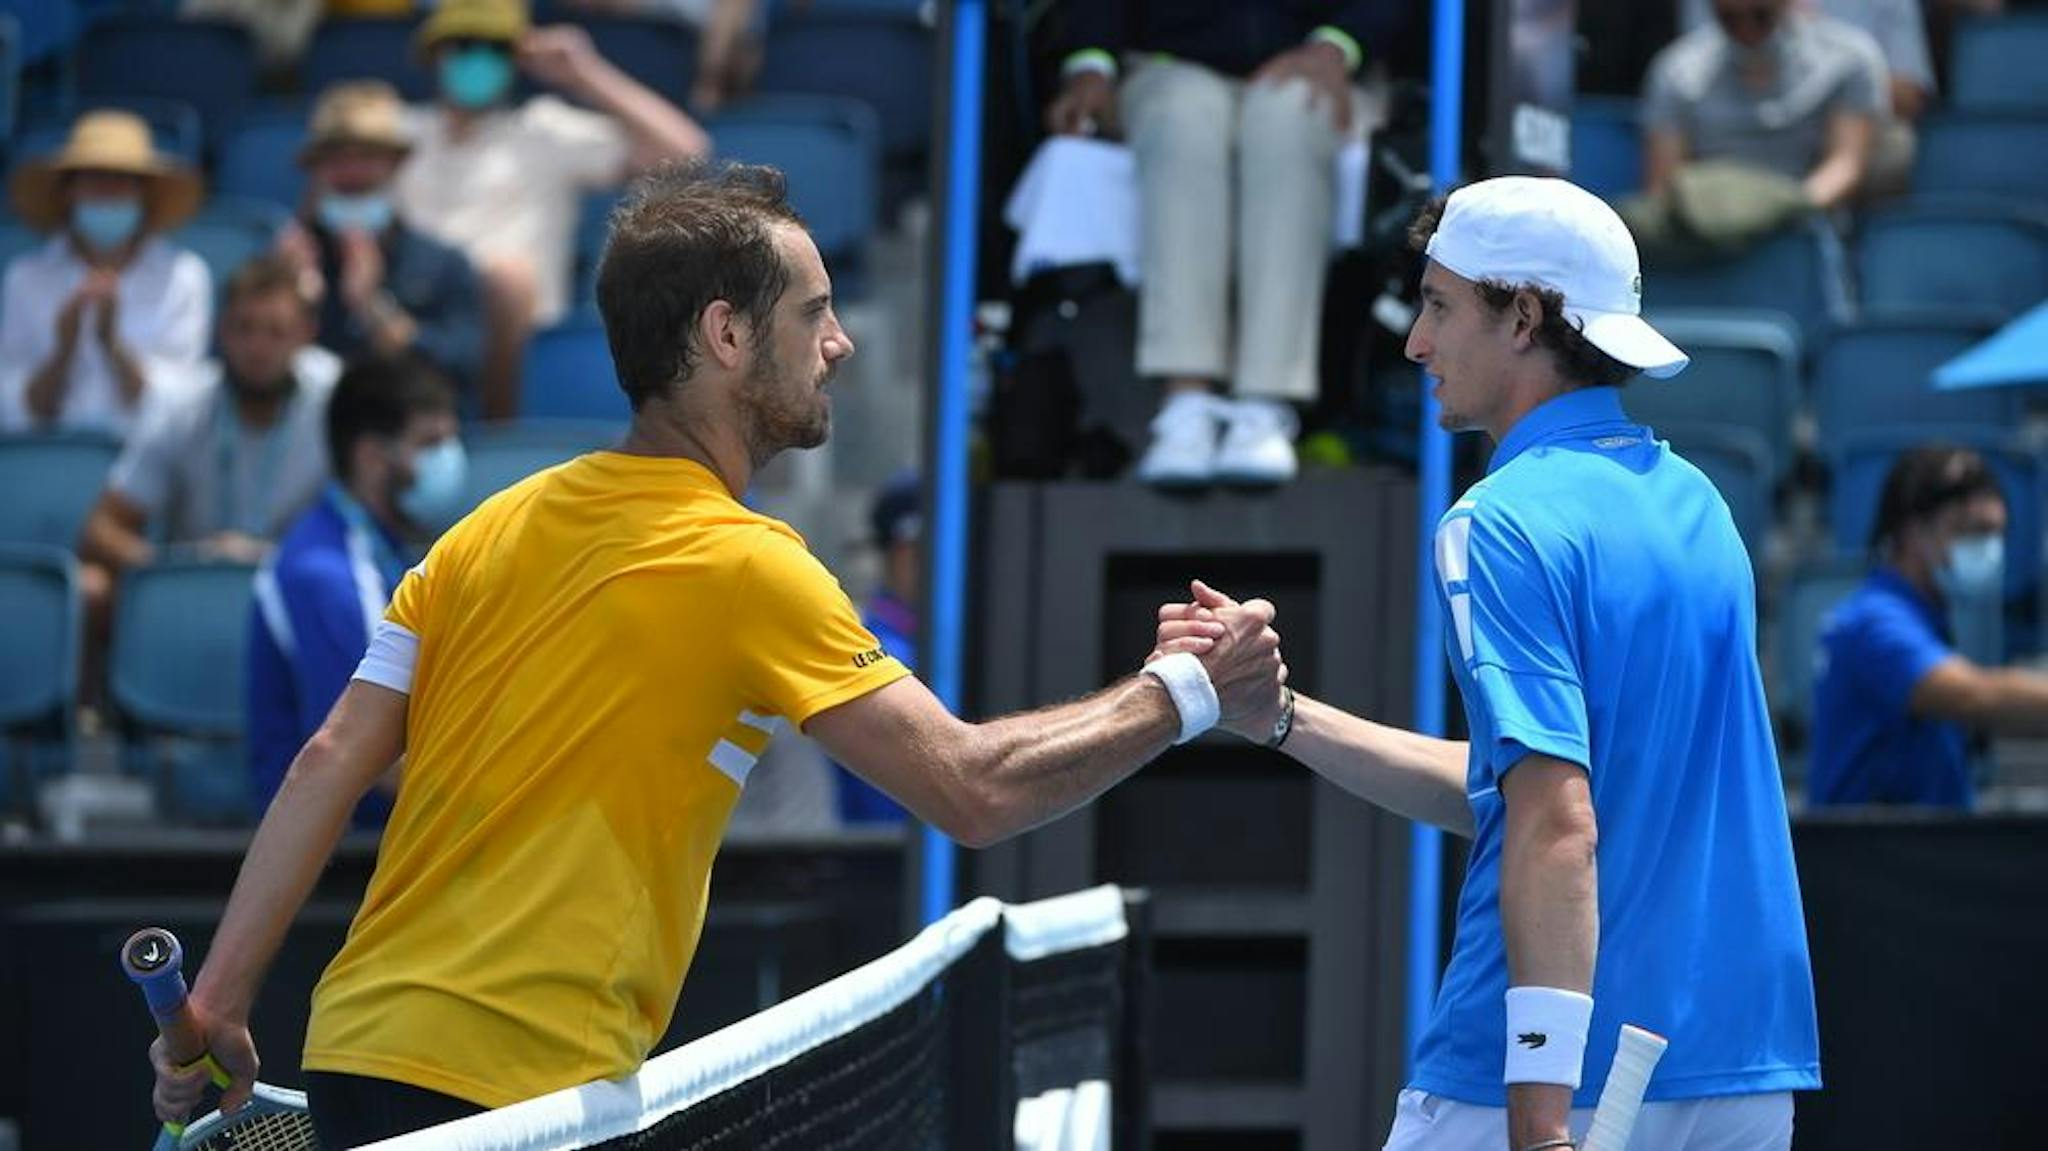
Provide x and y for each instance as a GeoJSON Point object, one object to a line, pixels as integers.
{"type": "Point", "coordinates": [2015, 356]}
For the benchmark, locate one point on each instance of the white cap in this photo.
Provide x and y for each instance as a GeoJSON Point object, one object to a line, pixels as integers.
{"type": "Point", "coordinates": [1524, 230]}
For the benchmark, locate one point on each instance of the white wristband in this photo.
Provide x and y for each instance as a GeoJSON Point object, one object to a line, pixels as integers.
{"type": "Point", "coordinates": [1547, 1035]}
{"type": "Point", "coordinates": [1194, 697]}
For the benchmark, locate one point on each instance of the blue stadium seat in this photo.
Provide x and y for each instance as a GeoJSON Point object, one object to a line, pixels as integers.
{"type": "Point", "coordinates": [51, 481]}
{"type": "Point", "coordinates": [1607, 146]}
{"type": "Point", "coordinates": [591, 228]}
{"type": "Point", "coordinates": [16, 239]}
{"type": "Point", "coordinates": [501, 455]}
{"type": "Point", "coordinates": [881, 57]}
{"type": "Point", "coordinates": [176, 670]}
{"type": "Point", "coordinates": [1953, 253]}
{"type": "Point", "coordinates": [175, 127]}
{"type": "Point", "coordinates": [1995, 63]}
{"type": "Point", "coordinates": [1797, 273]}
{"type": "Point", "coordinates": [210, 64]}
{"type": "Point", "coordinates": [1984, 155]}
{"type": "Point", "coordinates": [1860, 462]}
{"type": "Point", "coordinates": [830, 149]}
{"type": "Point", "coordinates": [660, 53]}
{"type": "Point", "coordinates": [229, 232]}
{"type": "Point", "coordinates": [1739, 464]}
{"type": "Point", "coordinates": [41, 618]}
{"type": "Point", "coordinates": [259, 159]}
{"type": "Point", "coordinates": [1874, 377]}
{"type": "Point", "coordinates": [1809, 595]}
{"type": "Point", "coordinates": [365, 49]}
{"type": "Point", "coordinates": [569, 375]}
{"type": "Point", "coordinates": [44, 28]}
{"type": "Point", "coordinates": [1744, 374]}
{"type": "Point", "coordinates": [10, 73]}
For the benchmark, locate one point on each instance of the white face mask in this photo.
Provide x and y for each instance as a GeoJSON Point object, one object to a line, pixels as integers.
{"type": "Point", "coordinates": [1975, 566]}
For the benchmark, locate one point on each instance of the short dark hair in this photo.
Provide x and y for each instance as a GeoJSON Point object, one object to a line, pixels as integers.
{"type": "Point", "coordinates": [374, 398]}
{"type": "Point", "coordinates": [1926, 480]}
{"type": "Point", "coordinates": [262, 275]}
{"type": "Point", "coordinates": [1578, 361]}
{"type": "Point", "coordinates": [686, 235]}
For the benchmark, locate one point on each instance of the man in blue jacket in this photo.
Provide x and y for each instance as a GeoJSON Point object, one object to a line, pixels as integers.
{"type": "Point", "coordinates": [399, 474]}
{"type": "Point", "coordinates": [1235, 110]}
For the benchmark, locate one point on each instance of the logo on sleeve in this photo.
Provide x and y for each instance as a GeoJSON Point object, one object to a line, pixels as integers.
{"type": "Point", "coordinates": [1532, 1039]}
{"type": "Point", "coordinates": [870, 657]}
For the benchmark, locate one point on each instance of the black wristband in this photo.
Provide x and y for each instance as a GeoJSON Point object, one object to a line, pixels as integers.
{"type": "Point", "coordinates": [1283, 726]}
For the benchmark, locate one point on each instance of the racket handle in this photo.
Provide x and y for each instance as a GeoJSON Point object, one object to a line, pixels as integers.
{"type": "Point", "coordinates": [153, 958]}
{"type": "Point", "coordinates": [1635, 1058]}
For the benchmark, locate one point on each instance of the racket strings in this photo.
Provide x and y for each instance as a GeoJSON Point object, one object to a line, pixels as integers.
{"type": "Point", "coordinates": [275, 1131]}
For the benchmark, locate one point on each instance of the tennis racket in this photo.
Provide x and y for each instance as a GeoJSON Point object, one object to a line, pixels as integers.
{"type": "Point", "coordinates": [1635, 1058]}
{"type": "Point", "coordinates": [274, 1119]}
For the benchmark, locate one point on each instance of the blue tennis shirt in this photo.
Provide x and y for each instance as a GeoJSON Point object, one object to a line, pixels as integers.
{"type": "Point", "coordinates": [317, 601]}
{"type": "Point", "coordinates": [1868, 746]}
{"type": "Point", "coordinates": [1602, 611]}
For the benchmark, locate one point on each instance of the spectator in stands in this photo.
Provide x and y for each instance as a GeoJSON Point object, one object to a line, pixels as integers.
{"type": "Point", "coordinates": [729, 34]}
{"type": "Point", "coordinates": [1900, 30]}
{"type": "Point", "coordinates": [891, 613]}
{"type": "Point", "coordinates": [227, 465]}
{"type": "Point", "coordinates": [1752, 121]}
{"type": "Point", "coordinates": [1236, 110]}
{"type": "Point", "coordinates": [399, 472]}
{"type": "Point", "coordinates": [1893, 701]}
{"type": "Point", "coordinates": [503, 179]}
{"type": "Point", "coordinates": [382, 288]}
{"type": "Point", "coordinates": [106, 314]}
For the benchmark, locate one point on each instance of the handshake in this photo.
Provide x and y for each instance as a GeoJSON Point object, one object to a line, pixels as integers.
{"type": "Point", "coordinates": [1220, 661]}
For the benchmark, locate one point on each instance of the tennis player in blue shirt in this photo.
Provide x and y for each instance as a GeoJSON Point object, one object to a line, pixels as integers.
{"type": "Point", "coordinates": [1894, 702]}
{"type": "Point", "coordinates": [1631, 861]}
{"type": "Point", "coordinates": [399, 476]}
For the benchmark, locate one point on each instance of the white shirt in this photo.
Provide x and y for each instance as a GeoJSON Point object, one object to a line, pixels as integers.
{"type": "Point", "coordinates": [513, 186]}
{"type": "Point", "coordinates": [166, 316]}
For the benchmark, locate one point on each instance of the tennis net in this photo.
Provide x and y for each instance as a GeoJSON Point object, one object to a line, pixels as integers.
{"type": "Point", "coordinates": [998, 1026]}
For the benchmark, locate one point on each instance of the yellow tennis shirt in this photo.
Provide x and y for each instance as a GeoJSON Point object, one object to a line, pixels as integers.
{"type": "Point", "coordinates": [604, 649]}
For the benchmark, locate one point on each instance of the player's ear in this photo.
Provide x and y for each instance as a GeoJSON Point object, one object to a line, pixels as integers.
{"type": "Point", "coordinates": [1528, 317]}
{"type": "Point", "coordinates": [719, 336]}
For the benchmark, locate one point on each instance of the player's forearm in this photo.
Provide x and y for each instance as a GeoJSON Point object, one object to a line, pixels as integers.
{"type": "Point", "coordinates": [1550, 903]}
{"type": "Point", "coordinates": [1038, 765]}
{"type": "Point", "coordinates": [290, 850]}
{"type": "Point", "coordinates": [1411, 775]}
{"type": "Point", "coordinates": [362, 736]}
{"type": "Point", "coordinates": [2016, 704]}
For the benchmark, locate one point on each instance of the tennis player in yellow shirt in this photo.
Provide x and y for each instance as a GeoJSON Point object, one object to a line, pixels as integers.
{"type": "Point", "coordinates": [579, 677]}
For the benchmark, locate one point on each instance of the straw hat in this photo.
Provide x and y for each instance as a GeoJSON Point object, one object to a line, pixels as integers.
{"type": "Point", "coordinates": [505, 21]}
{"type": "Point", "coordinates": [362, 112]}
{"type": "Point", "coordinates": [107, 141]}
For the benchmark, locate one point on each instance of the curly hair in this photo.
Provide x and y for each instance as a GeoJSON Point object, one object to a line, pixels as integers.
{"type": "Point", "coordinates": [1578, 361]}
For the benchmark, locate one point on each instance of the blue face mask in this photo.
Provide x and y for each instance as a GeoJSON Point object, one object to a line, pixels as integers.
{"type": "Point", "coordinates": [434, 501]}
{"type": "Point", "coordinates": [370, 213]}
{"type": "Point", "coordinates": [476, 76]}
{"type": "Point", "coordinates": [105, 225]}
{"type": "Point", "coordinates": [1975, 567]}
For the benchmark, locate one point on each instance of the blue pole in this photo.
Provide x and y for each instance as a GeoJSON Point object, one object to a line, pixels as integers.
{"type": "Point", "coordinates": [946, 643]}
{"type": "Point", "coordinates": [1433, 489]}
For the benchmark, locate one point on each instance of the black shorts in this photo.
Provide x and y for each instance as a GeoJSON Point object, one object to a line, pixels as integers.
{"type": "Point", "coordinates": [351, 1110]}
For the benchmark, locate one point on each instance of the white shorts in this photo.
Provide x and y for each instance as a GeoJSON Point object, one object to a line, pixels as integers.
{"type": "Point", "coordinates": [1424, 1122]}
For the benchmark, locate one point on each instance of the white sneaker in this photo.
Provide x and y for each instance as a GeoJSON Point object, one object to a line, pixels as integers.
{"type": "Point", "coordinates": [1183, 449]}
{"type": "Point", "coordinates": [1258, 445]}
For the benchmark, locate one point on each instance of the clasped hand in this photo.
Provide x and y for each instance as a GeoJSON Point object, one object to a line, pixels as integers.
{"type": "Point", "coordinates": [1237, 646]}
